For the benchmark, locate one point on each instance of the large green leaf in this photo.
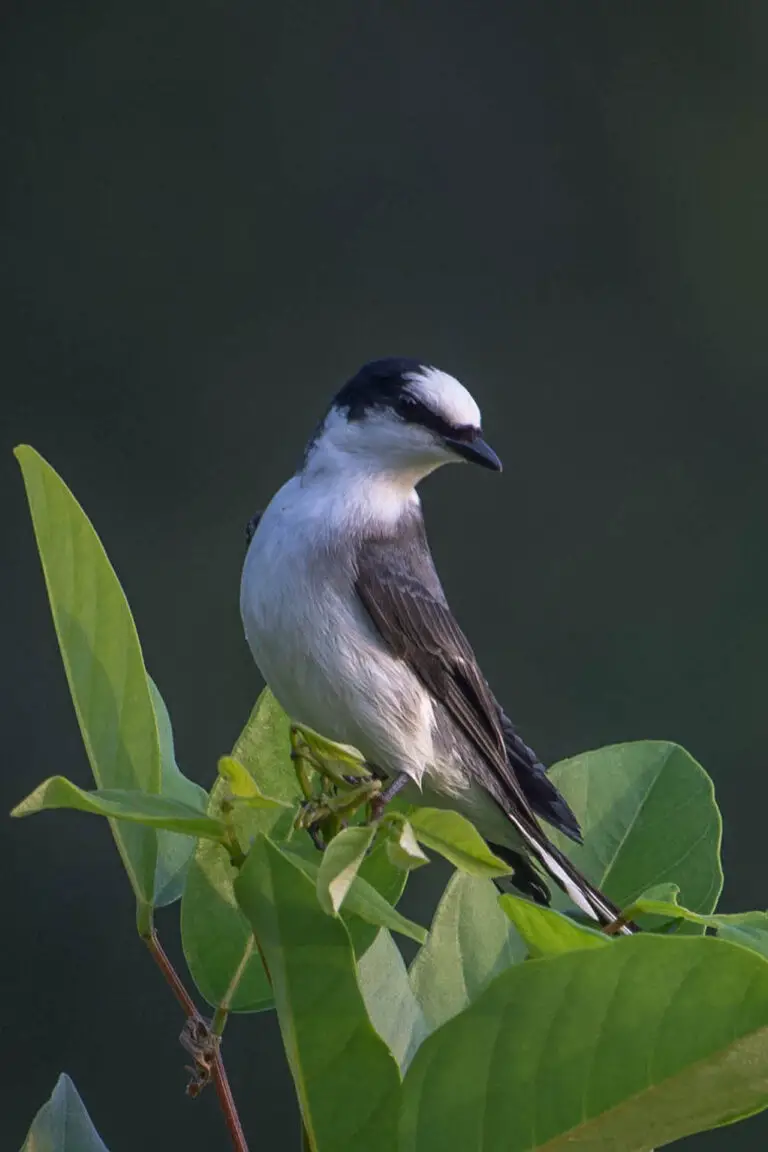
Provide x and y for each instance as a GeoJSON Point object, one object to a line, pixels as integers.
{"type": "Point", "coordinates": [218, 942]}
{"type": "Point", "coordinates": [102, 657]}
{"type": "Point", "coordinates": [648, 814]}
{"type": "Point", "coordinates": [547, 932]}
{"type": "Point", "coordinates": [344, 1074]}
{"type": "Point", "coordinates": [623, 1048]}
{"type": "Point", "coordinates": [118, 804]}
{"type": "Point", "coordinates": [174, 851]}
{"type": "Point", "coordinates": [455, 838]}
{"type": "Point", "coordinates": [62, 1124]}
{"type": "Point", "coordinates": [470, 942]}
{"type": "Point", "coordinates": [392, 1006]}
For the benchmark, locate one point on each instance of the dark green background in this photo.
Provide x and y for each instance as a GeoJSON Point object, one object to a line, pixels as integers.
{"type": "Point", "coordinates": [212, 213]}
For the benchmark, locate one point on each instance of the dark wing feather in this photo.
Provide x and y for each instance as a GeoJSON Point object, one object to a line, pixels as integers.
{"type": "Point", "coordinates": [402, 593]}
{"type": "Point", "coordinates": [403, 596]}
{"type": "Point", "coordinates": [542, 795]}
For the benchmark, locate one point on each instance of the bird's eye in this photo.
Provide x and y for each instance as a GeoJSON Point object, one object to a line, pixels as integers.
{"type": "Point", "coordinates": [466, 433]}
{"type": "Point", "coordinates": [408, 408]}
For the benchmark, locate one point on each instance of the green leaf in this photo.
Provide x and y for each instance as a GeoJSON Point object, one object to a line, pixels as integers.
{"type": "Point", "coordinates": [392, 1006]}
{"type": "Point", "coordinates": [457, 840]}
{"type": "Point", "coordinates": [648, 815]}
{"type": "Point", "coordinates": [102, 657]}
{"type": "Point", "coordinates": [547, 932]}
{"type": "Point", "coordinates": [119, 804]}
{"type": "Point", "coordinates": [380, 873]}
{"type": "Point", "coordinates": [345, 1076]}
{"type": "Point", "coordinates": [243, 786]}
{"type": "Point", "coordinates": [340, 864]}
{"type": "Point", "coordinates": [470, 942]}
{"type": "Point", "coordinates": [218, 943]}
{"type": "Point", "coordinates": [337, 760]}
{"type": "Point", "coordinates": [627, 1047]}
{"type": "Point", "coordinates": [217, 939]}
{"type": "Point", "coordinates": [363, 900]}
{"type": "Point", "coordinates": [749, 929]}
{"type": "Point", "coordinates": [264, 749]}
{"type": "Point", "coordinates": [62, 1124]}
{"type": "Point", "coordinates": [403, 848]}
{"type": "Point", "coordinates": [174, 851]}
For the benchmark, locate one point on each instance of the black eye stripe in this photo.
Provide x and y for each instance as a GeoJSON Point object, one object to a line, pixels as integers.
{"type": "Point", "coordinates": [414, 411]}
{"type": "Point", "coordinates": [385, 385]}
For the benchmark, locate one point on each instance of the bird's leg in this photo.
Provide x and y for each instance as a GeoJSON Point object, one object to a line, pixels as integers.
{"type": "Point", "coordinates": [378, 803]}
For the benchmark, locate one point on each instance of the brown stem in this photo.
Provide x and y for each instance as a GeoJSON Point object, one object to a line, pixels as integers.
{"type": "Point", "coordinates": [227, 1104]}
{"type": "Point", "coordinates": [163, 962]}
{"type": "Point", "coordinates": [203, 1045]}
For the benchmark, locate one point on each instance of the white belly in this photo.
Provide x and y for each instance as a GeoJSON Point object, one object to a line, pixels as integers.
{"type": "Point", "coordinates": [320, 654]}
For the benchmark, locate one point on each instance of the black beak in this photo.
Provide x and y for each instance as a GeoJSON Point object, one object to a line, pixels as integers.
{"type": "Point", "coordinates": [476, 451]}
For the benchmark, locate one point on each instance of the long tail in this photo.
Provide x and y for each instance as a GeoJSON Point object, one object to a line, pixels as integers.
{"type": "Point", "coordinates": [583, 894]}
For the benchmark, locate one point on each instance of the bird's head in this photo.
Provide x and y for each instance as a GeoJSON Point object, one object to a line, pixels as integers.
{"type": "Point", "coordinates": [401, 417]}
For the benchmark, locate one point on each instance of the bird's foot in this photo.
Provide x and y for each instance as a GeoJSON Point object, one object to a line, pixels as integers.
{"type": "Point", "coordinates": [324, 815]}
{"type": "Point", "coordinates": [378, 803]}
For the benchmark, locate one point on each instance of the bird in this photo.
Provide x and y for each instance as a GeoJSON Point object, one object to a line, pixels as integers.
{"type": "Point", "coordinates": [349, 625]}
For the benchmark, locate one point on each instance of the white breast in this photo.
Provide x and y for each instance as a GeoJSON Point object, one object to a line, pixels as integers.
{"type": "Point", "coordinates": [314, 643]}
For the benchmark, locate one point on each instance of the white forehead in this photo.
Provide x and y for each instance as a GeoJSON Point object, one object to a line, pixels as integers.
{"type": "Point", "coordinates": [444, 395]}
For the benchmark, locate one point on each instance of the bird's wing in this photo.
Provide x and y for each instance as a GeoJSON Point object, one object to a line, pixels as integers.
{"type": "Point", "coordinates": [403, 596]}
{"type": "Point", "coordinates": [543, 796]}
{"type": "Point", "coordinates": [402, 593]}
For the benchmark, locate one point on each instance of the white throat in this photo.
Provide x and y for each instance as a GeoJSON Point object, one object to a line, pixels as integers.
{"type": "Point", "coordinates": [379, 453]}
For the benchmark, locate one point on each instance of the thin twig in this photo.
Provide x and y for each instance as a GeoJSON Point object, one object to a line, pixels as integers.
{"type": "Point", "coordinates": [163, 962]}
{"type": "Point", "coordinates": [227, 1104]}
{"type": "Point", "coordinates": [203, 1045]}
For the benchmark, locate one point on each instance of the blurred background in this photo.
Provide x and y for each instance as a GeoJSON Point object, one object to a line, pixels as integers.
{"type": "Point", "coordinates": [211, 215]}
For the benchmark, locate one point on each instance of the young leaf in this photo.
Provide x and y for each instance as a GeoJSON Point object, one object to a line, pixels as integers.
{"type": "Point", "coordinates": [218, 943]}
{"type": "Point", "coordinates": [119, 804]}
{"type": "Point", "coordinates": [102, 657]}
{"type": "Point", "coordinates": [630, 1046]}
{"type": "Point", "coordinates": [457, 840]}
{"type": "Point", "coordinates": [340, 864]}
{"type": "Point", "coordinates": [403, 848]}
{"type": "Point", "coordinates": [749, 929]}
{"type": "Point", "coordinates": [62, 1124]}
{"type": "Point", "coordinates": [332, 1048]}
{"type": "Point", "coordinates": [547, 932]}
{"type": "Point", "coordinates": [470, 942]}
{"type": "Point", "coordinates": [174, 851]}
{"type": "Point", "coordinates": [363, 900]}
{"type": "Point", "coordinates": [243, 786]}
{"type": "Point", "coordinates": [338, 760]}
{"type": "Point", "coordinates": [378, 871]}
{"type": "Point", "coordinates": [392, 1006]}
{"type": "Point", "coordinates": [217, 939]}
{"type": "Point", "coordinates": [648, 814]}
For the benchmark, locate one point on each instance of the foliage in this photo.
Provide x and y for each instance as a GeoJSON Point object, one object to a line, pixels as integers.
{"type": "Point", "coordinates": [516, 1027]}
